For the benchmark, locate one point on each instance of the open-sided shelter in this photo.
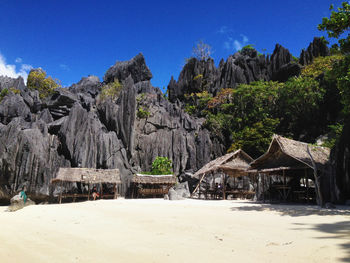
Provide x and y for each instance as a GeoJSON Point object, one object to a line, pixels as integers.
{"type": "Point", "coordinates": [296, 164]}
{"type": "Point", "coordinates": [87, 176]}
{"type": "Point", "coordinates": [151, 185]}
{"type": "Point", "coordinates": [233, 164]}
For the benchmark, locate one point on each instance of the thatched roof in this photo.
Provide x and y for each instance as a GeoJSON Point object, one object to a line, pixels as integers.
{"type": "Point", "coordinates": [284, 154]}
{"type": "Point", "coordinates": [88, 175]}
{"type": "Point", "coordinates": [233, 164]}
{"type": "Point", "coordinates": [154, 179]}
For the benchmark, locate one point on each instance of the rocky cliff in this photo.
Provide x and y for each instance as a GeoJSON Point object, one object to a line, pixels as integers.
{"type": "Point", "coordinates": [242, 67]}
{"type": "Point", "coordinates": [75, 127]}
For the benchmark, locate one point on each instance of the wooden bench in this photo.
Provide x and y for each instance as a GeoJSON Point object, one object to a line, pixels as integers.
{"type": "Point", "coordinates": [152, 192]}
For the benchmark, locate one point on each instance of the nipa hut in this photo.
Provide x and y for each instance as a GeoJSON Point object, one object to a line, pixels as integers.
{"type": "Point", "coordinates": [288, 169]}
{"type": "Point", "coordinates": [151, 185]}
{"type": "Point", "coordinates": [233, 165]}
{"type": "Point", "coordinates": [87, 176]}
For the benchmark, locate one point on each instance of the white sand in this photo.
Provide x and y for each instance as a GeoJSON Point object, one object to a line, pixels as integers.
{"type": "Point", "coordinates": [155, 230]}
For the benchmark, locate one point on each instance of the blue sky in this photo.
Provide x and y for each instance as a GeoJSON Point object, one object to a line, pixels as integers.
{"type": "Point", "coordinates": [72, 39]}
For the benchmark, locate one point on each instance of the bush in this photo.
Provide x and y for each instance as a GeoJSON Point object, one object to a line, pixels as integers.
{"type": "Point", "coordinates": [320, 65]}
{"type": "Point", "coordinates": [161, 165]}
{"type": "Point", "coordinates": [37, 80]}
{"type": "Point", "coordinates": [15, 91]}
{"type": "Point", "coordinates": [142, 113]}
{"type": "Point", "coordinates": [111, 90]}
{"type": "Point", "coordinates": [3, 93]}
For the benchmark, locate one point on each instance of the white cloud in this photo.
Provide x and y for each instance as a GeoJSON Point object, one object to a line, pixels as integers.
{"type": "Point", "coordinates": [235, 44]}
{"type": "Point", "coordinates": [223, 30]}
{"type": "Point", "coordinates": [64, 67]}
{"type": "Point", "coordinates": [18, 60]}
{"type": "Point", "coordinates": [10, 70]}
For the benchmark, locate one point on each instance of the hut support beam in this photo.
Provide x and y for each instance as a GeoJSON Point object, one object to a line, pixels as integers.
{"type": "Point", "coordinates": [263, 186]}
{"type": "Point", "coordinates": [88, 191]}
{"type": "Point", "coordinates": [198, 187]}
{"type": "Point", "coordinates": [60, 201]}
{"type": "Point", "coordinates": [224, 186]}
{"type": "Point", "coordinates": [115, 191]}
{"type": "Point", "coordinates": [307, 186]}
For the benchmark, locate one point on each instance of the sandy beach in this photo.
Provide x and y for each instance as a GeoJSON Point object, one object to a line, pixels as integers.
{"type": "Point", "coordinates": [156, 230]}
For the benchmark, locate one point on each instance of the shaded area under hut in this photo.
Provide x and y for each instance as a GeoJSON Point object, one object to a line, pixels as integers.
{"type": "Point", "coordinates": [143, 185]}
{"type": "Point", "coordinates": [105, 180]}
{"type": "Point", "coordinates": [291, 171]}
{"type": "Point", "coordinates": [225, 176]}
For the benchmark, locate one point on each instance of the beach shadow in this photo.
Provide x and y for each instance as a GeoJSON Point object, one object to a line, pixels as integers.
{"type": "Point", "coordinates": [295, 210]}
{"type": "Point", "coordinates": [339, 230]}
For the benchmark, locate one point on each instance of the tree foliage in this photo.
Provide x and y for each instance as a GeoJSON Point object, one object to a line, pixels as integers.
{"type": "Point", "coordinates": [37, 80]}
{"type": "Point", "coordinates": [3, 93]}
{"type": "Point", "coordinates": [337, 24]}
{"type": "Point", "coordinates": [142, 113]}
{"type": "Point", "coordinates": [111, 90]}
{"type": "Point", "coordinates": [161, 165]}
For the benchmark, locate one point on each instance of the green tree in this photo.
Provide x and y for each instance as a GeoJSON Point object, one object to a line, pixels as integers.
{"type": "Point", "coordinates": [337, 24]}
{"type": "Point", "coordinates": [161, 165]}
{"type": "Point", "coordinates": [37, 80]}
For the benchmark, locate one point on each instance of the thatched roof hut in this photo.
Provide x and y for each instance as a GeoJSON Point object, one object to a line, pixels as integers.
{"type": "Point", "coordinates": [287, 154]}
{"type": "Point", "coordinates": [233, 164]}
{"type": "Point", "coordinates": [153, 179]}
{"type": "Point", "coordinates": [88, 175]}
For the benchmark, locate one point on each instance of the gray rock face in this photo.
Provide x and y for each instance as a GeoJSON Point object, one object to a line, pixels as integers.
{"type": "Point", "coordinates": [169, 131]}
{"type": "Point", "coordinates": [182, 190]}
{"type": "Point", "coordinates": [317, 48]}
{"type": "Point", "coordinates": [18, 203]}
{"type": "Point", "coordinates": [136, 67]}
{"type": "Point", "coordinates": [179, 192]}
{"type": "Point", "coordinates": [88, 86]}
{"type": "Point", "coordinates": [13, 106]}
{"type": "Point", "coordinates": [242, 67]}
{"type": "Point", "coordinates": [28, 156]}
{"type": "Point", "coordinates": [74, 127]}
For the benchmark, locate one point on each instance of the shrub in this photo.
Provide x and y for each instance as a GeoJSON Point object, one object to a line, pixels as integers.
{"type": "Point", "coordinates": [111, 90]}
{"type": "Point", "coordinates": [37, 80]}
{"type": "Point", "coordinates": [3, 93]}
{"type": "Point", "coordinates": [199, 76]}
{"type": "Point", "coordinates": [161, 165]}
{"type": "Point", "coordinates": [15, 91]}
{"type": "Point", "coordinates": [320, 65]}
{"type": "Point", "coordinates": [142, 113]}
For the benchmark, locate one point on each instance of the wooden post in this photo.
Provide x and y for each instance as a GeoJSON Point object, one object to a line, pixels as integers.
{"type": "Point", "coordinates": [101, 191]}
{"type": "Point", "coordinates": [88, 191]}
{"type": "Point", "coordinates": [199, 188]}
{"type": "Point", "coordinates": [60, 201]}
{"type": "Point", "coordinates": [115, 191]}
{"type": "Point", "coordinates": [284, 185]}
{"type": "Point", "coordinates": [223, 187]}
{"type": "Point", "coordinates": [263, 186]}
{"type": "Point", "coordinates": [307, 186]}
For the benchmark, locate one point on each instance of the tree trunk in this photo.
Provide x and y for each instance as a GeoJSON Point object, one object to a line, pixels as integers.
{"type": "Point", "coordinates": [319, 197]}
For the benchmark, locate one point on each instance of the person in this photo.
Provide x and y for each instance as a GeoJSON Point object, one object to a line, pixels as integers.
{"type": "Point", "coordinates": [95, 194]}
{"type": "Point", "coordinates": [23, 196]}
